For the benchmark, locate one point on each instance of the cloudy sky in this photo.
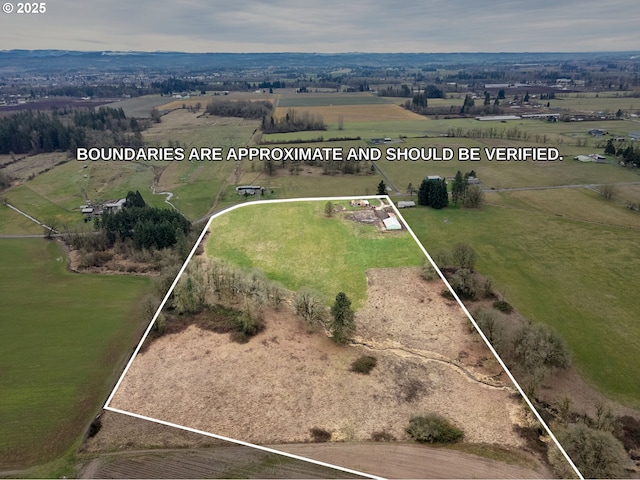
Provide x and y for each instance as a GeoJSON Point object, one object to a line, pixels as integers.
{"type": "Point", "coordinates": [327, 26]}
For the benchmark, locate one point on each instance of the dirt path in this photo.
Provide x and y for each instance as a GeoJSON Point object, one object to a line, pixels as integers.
{"type": "Point", "coordinates": [381, 459]}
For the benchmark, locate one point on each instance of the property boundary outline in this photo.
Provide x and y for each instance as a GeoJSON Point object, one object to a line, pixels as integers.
{"type": "Point", "coordinates": [205, 230]}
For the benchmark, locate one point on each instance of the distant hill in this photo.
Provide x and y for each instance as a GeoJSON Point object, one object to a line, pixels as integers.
{"type": "Point", "coordinates": [67, 60]}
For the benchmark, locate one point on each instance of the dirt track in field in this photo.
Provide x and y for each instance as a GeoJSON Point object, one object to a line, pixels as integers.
{"type": "Point", "coordinates": [286, 381]}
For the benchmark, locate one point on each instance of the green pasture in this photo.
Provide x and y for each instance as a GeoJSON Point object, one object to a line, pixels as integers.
{"type": "Point", "coordinates": [31, 202]}
{"type": "Point", "coordinates": [574, 274]}
{"type": "Point", "coordinates": [608, 102]}
{"type": "Point", "coordinates": [326, 100]}
{"type": "Point", "coordinates": [364, 130]}
{"type": "Point", "coordinates": [63, 337]}
{"type": "Point", "coordinates": [59, 193]}
{"type": "Point", "coordinates": [502, 174]}
{"type": "Point", "coordinates": [68, 184]}
{"type": "Point", "coordinates": [298, 245]}
{"type": "Point", "coordinates": [195, 184]}
{"type": "Point", "coordinates": [12, 223]}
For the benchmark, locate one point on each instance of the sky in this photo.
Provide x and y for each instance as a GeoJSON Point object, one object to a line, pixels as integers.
{"type": "Point", "coordinates": [327, 26]}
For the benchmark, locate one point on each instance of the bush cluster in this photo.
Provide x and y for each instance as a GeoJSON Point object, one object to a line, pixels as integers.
{"type": "Point", "coordinates": [433, 428]}
{"type": "Point", "coordinates": [320, 435]}
{"type": "Point", "coordinates": [364, 364]}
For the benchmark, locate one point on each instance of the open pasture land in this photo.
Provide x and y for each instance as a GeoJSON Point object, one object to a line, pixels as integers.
{"type": "Point", "coordinates": [30, 166]}
{"type": "Point", "coordinates": [627, 194]}
{"type": "Point", "coordinates": [306, 185]}
{"type": "Point", "coordinates": [195, 184]}
{"type": "Point", "coordinates": [415, 127]}
{"type": "Point", "coordinates": [12, 223]}
{"type": "Point", "coordinates": [347, 248]}
{"type": "Point", "coordinates": [501, 174]}
{"type": "Point", "coordinates": [353, 113]}
{"type": "Point", "coordinates": [575, 275]}
{"type": "Point", "coordinates": [41, 208]}
{"type": "Point", "coordinates": [63, 337]}
{"type": "Point", "coordinates": [140, 107]}
{"type": "Point", "coordinates": [59, 193]}
{"type": "Point", "coordinates": [607, 102]}
{"type": "Point", "coordinates": [326, 99]}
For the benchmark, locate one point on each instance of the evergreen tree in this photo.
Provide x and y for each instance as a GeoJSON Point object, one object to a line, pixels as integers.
{"type": "Point", "coordinates": [342, 325]}
{"type": "Point", "coordinates": [458, 188]}
{"type": "Point", "coordinates": [610, 149]}
{"type": "Point", "coordinates": [135, 199]}
{"type": "Point", "coordinates": [423, 192]}
{"type": "Point", "coordinates": [382, 188]}
{"type": "Point", "coordinates": [440, 194]}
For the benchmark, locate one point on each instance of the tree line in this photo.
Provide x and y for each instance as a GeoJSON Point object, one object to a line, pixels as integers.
{"type": "Point", "coordinates": [35, 132]}
{"type": "Point", "coordinates": [292, 122]}
{"type": "Point", "coordinates": [240, 108]}
{"type": "Point", "coordinates": [629, 155]}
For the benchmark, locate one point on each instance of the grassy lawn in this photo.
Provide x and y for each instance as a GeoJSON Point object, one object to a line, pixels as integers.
{"type": "Point", "coordinates": [64, 336]}
{"type": "Point", "coordinates": [576, 275]}
{"type": "Point", "coordinates": [297, 245]}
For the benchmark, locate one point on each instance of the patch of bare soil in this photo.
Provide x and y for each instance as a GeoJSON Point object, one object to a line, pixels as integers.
{"type": "Point", "coordinates": [286, 381]}
{"type": "Point", "coordinates": [401, 460]}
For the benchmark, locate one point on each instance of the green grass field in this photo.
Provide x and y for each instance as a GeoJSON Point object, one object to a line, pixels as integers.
{"type": "Point", "coordinates": [321, 100]}
{"type": "Point", "coordinates": [12, 223]}
{"type": "Point", "coordinates": [64, 335]}
{"type": "Point", "coordinates": [574, 274]}
{"type": "Point", "coordinates": [297, 245]}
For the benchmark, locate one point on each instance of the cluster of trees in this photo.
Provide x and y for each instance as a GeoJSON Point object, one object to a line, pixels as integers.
{"type": "Point", "coordinates": [209, 280]}
{"type": "Point", "coordinates": [429, 91]}
{"type": "Point", "coordinates": [339, 322]}
{"type": "Point", "coordinates": [274, 84]}
{"type": "Point", "coordinates": [148, 227]}
{"type": "Point", "coordinates": [629, 155]}
{"type": "Point", "coordinates": [29, 132]}
{"type": "Point", "coordinates": [164, 87]}
{"type": "Point", "coordinates": [532, 350]}
{"type": "Point", "coordinates": [178, 85]}
{"type": "Point", "coordinates": [239, 108]}
{"type": "Point", "coordinates": [292, 122]}
{"type": "Point", "coordinates": [417, 104]}
{"type": "Point", "coordinates": [471, 196]}
{"type": "Point", "coordinates": [433, 193]}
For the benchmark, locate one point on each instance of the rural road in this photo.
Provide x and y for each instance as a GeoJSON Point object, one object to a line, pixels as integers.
{"type": "Point", "coordinates": [383, 459]}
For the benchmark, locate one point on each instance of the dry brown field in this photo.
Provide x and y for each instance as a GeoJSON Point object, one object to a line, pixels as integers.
{"type": "Point", "coordinates": [354, 113]}
{"type": "Point", "coordinates": [286, 381]}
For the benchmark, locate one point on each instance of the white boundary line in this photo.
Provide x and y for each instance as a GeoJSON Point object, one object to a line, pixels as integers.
{"type": "Point", "coordinates": [495, 354]}
{"type": "Point", "coordinates": [266, 449]}
{"type": "Point", "coordinates": [246, 444]}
